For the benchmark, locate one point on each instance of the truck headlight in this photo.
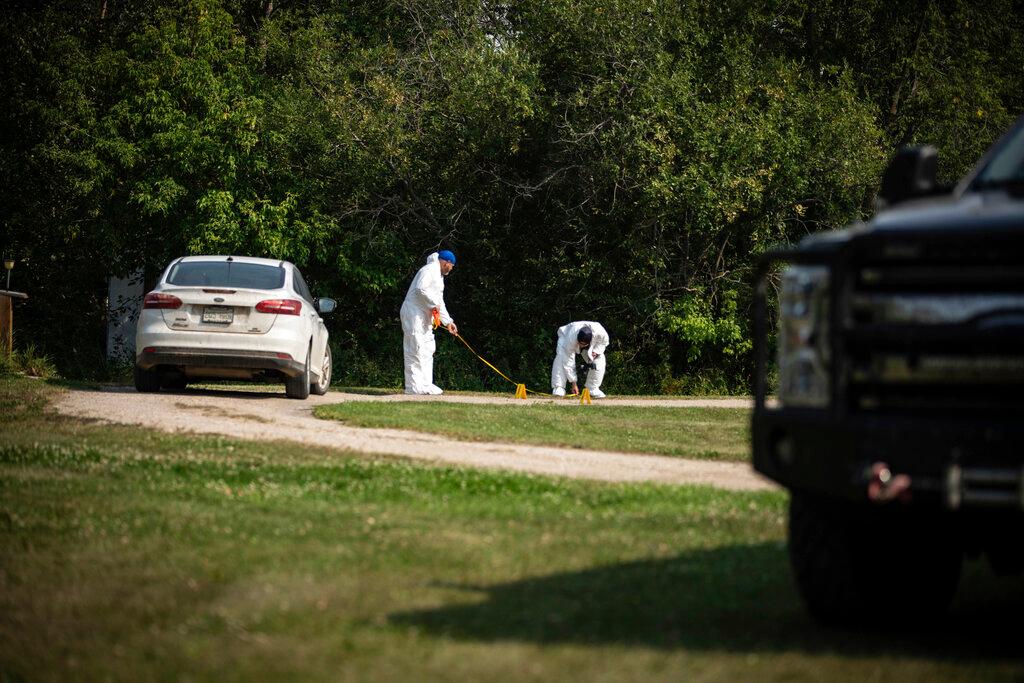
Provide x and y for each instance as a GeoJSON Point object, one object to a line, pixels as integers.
{"type": "Point", "coordinates": [804, 349]}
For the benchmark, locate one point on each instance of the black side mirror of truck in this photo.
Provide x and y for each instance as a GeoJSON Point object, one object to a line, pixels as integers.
{"type": "Point", "coordinates": [910, 174]}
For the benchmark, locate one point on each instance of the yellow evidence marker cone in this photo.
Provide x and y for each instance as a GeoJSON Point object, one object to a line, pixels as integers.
{"type": "Point", "coordinates": [585, 397]}
{"type": "Point", "coordinates": [520, 391]}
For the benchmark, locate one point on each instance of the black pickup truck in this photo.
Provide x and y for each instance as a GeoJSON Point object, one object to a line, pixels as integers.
{"type": "Point", "coordinates": [898, 418]}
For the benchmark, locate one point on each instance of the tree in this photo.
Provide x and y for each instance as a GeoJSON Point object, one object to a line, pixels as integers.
{"type": "Point", "coordinates": [593, 159]}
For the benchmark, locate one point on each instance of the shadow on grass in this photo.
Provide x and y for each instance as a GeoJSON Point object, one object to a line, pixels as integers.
{"type": "Point", "coordinates": [738, 598]}
{"type": "Point", "coordinates": [255, 390]}
{"type": "Point", "coordinates": [368, 391]}
{"type": "Point", "coordinates": [250, 391]}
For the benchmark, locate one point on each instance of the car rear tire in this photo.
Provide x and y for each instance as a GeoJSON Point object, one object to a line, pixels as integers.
{"type": "Point", "coordinates": [298, 386]}
{"type": "Point", "coordinates": [321, 386]}
{"type": "Point", "coordinates": [860, 565]}
{"type": "Point", "coordinates": [147, 381]}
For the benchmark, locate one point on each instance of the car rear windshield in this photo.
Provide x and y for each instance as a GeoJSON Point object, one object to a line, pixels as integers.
{"type": "Point", "coordinates": [226, 274]}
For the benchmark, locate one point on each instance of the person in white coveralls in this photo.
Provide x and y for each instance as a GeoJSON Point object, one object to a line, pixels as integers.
{"type": "Point", "coordinates": [589, 339]}
{"type": "Point", "coordinates": [424, 299]}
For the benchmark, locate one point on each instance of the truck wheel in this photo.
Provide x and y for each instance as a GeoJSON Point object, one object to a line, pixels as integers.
{"type": "Point", "coordinates": [147, 381]}
{"type": "Point", "coordinates": [298, 386]}
{"type": "Point", "coordinates": [860, 565]}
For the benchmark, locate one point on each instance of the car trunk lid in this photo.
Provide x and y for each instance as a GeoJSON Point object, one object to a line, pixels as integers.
{"type": "Point", "coordinates": [218, 309]}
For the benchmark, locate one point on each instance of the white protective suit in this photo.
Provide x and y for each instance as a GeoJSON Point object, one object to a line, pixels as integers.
{"type": "Point", "coordinates": [564, 367]}
{"type": "Point", "coordinates": [425, 294]}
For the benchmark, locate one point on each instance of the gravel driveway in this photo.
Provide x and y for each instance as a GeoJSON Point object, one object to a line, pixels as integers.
{"type": "Point", "coordinates": [270, 416]}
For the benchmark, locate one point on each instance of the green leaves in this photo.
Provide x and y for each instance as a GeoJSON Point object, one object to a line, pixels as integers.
{"type": "Point", "coordinates": [587, 159]}
{"type": "Point", "coordinates": [703, 329]}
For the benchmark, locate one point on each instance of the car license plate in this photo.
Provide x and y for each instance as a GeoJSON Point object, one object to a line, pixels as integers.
{"type": "Point", "coordinates": [218, 314]}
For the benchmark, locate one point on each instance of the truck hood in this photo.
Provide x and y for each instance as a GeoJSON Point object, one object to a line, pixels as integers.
{"type": "Point", "coordinates": [991, 210]}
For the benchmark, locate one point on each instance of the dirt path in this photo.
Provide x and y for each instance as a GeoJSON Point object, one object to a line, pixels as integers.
{"type": "Point", "coordinates": [271, 416]}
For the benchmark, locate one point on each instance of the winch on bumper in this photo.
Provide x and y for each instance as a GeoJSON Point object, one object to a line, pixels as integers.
{"type": "Point", "coordinates": [951, 464]}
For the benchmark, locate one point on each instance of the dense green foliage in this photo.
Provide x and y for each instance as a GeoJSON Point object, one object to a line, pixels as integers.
{"type": "Point", "coordinates": [586, 159]}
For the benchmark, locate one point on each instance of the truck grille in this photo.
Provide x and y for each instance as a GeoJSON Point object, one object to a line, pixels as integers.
{"type": "Point", "coordinates": [935, 326]}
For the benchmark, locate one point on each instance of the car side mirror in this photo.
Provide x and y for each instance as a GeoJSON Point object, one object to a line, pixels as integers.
{"type": "Point", "coordinates": [910, 174]}
{"type": "Point", "coordinates": [325, 305]}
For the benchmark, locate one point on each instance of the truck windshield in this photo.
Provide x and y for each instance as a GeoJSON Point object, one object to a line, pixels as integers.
{"type": "Point", "coordinates": [1006, 167]}
{"type": "Point", "coordinates": [226, 274]}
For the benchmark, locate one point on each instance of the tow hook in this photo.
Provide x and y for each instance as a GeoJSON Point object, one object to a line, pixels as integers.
{"type": "Point", "coordinates": [885, 487]}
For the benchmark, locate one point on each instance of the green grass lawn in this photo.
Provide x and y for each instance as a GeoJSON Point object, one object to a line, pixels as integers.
{"type": "Point", "coordinates": [706, 433]}
{"type": "Point", "coordinates": [130, 554]}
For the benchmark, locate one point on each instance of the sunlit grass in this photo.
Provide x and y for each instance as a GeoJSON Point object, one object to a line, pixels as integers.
{"type": "Point", "coordinates": [706, 433]}
{"type": "Point", "coordinates": [130, 554]}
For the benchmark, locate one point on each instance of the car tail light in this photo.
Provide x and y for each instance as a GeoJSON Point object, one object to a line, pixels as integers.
{"type": "Point", "coordinates": [158, 300]}
{"type": "Point", "coordinates": [282, 306]}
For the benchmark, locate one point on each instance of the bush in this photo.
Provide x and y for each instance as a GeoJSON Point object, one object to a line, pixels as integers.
{"type": "Point", "coordinates": [709, 382]}
{"type": "Point", "coordinates": [7, 364]}
{"type": "Point", "coordinates": [34, 364]}
{"type": "Point", "coordinates": [27, 362]}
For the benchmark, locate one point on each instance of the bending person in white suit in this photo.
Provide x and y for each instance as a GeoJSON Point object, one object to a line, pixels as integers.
{"type": "Point", "coordinates": [589, 339]}
{"type": "Point", "coordinates": [424, 298]}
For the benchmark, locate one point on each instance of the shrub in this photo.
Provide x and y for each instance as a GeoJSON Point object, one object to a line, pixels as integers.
{"type": "Point", "coordinates": [7, 364]}
{"type": "Point", "coordinates": [32, 363]}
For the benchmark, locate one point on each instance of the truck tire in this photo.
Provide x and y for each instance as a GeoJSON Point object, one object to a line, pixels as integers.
{"type": "Point", "coordinates": [298, 386]}
{"type": "Point", "coordinates": [147, 381]}
{"type": "Point", "coordinates": [862, 565]}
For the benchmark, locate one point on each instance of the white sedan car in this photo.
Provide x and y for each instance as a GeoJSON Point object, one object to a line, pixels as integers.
{"type": "Point", "coordinates": [232, 317]}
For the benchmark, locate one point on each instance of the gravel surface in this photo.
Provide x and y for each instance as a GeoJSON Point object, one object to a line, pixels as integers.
{"type": "Point", "coordinates": [270, 416]}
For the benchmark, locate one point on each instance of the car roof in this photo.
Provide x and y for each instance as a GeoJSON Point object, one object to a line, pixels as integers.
{"type": "Point", "coordinates": [235, 259]}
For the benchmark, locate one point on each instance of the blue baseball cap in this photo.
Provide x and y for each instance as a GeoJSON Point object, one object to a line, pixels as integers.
{"type": "Point", "coordinates": [447, 256]}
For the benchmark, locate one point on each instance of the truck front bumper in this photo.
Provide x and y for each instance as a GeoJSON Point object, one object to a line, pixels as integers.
{"type": "Point", "coordinates": [952, 463]}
